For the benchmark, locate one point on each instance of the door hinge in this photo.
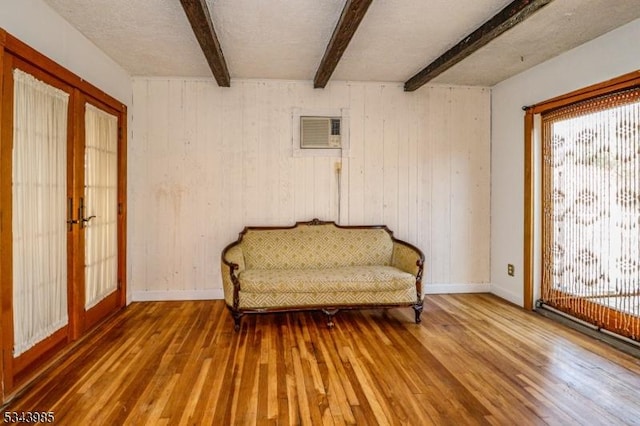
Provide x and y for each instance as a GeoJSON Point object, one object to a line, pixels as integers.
{"type": "Point", "coordinates": [120, 208]}
{"type": "Point", "coordinates": [119, 284]}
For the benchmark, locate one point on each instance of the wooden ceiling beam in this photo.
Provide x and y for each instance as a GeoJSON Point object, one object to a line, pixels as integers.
{"type": "Point", "coordinates": [352, 14]}
{"type": "Point", "coordinates": [198, 14]}
{"type": "Point", "coordinates": [514, 13]}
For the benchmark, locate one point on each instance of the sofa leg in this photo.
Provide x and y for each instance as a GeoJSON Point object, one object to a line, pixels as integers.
{"type": "Point", "coordinates": [330, 313]}
{"type": "Point", "coordinates": [236, 320]}
{"type": "Point", "coordinates": [418, 307]}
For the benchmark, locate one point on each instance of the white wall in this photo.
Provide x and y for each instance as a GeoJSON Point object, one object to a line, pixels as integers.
{"type": "Point", "coordinates": [206, 161]}
{"type": "Point", "coordinates": [606, 57]}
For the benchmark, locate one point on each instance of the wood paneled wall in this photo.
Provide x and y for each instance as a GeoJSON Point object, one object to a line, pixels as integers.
{"type": "Point", "coordinates": [206, 161]}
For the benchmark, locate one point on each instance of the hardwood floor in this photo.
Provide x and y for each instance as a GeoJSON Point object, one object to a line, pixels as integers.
{"type": "Point", "coordinates": [473, 360]}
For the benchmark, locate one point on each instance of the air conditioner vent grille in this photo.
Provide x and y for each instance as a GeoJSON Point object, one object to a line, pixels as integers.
{"type": "Point", "coordinates": [319, 132]}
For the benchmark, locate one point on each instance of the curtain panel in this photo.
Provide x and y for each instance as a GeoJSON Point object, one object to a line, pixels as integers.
{"type": "Point", "coordinates": [591, 209]}
{"type": "Point", "coordinates": [101, 201]}
{"type": "Point", "coordinates": [39, 191]}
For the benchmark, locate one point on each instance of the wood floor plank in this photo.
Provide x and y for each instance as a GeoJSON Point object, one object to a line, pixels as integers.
{"type": "Point", "coordinates": [473, 360]}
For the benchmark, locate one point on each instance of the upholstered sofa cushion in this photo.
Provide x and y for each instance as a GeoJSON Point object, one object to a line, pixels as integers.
{"type": "Point", "coordinates": [316, 247]}
{"type": "Point", "coordinates": [341, 279]}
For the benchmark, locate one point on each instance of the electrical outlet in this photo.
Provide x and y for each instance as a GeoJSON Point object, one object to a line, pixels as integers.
{"type": "Point", "coordinates": [510, 270]}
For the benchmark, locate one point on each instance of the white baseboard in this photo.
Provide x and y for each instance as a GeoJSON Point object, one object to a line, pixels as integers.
{"type": "Point", "coordinates": [158, 296]}
{"type": "Point", "coordinates": [448, 288]}
{"type": "Point", "coordinates": [432, 288]}
{"type": "Point", "coordinates": [507, 295]}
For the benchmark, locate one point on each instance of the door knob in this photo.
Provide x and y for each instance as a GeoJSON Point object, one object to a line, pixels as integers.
{"type": "Point", "coordinates": [82, 221]}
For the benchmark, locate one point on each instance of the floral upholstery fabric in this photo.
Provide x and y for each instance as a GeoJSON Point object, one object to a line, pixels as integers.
{"type": "Point", "coordinates": [316, 246]}
{"type": "Point", "coordinates": [342, 279]}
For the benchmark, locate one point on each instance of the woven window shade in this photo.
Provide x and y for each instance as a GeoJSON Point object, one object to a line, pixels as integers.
{"type": "Point", "coordinates": [591, 210]}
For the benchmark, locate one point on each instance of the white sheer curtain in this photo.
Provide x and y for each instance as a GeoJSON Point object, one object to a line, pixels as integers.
{"type": "Point", "coordinates": [39, 191]}
{"type": "Point", "coordinates": [101, 201]}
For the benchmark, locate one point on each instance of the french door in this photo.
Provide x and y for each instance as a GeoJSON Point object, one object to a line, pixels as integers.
{"type": "Point", "coordinates": [99, 213]}
{"type": "Point", "coordinates": [62, 163]}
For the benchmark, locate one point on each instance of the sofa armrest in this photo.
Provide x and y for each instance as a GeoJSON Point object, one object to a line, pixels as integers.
{"type": "Point", "coordinates": [410, 259]}
{"type": "Point", "coordinates": [232, 264]}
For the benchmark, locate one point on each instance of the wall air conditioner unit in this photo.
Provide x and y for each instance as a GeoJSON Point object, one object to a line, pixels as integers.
{"type": "Point", "coordinates": [320, 132]}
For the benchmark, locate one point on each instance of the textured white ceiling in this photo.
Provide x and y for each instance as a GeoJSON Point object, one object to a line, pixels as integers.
{"type": "Point", "coordinates": [285, 39]}
{"type": "Point", "coordinates": [279, 39]}
{"type": "Point", "coordinates": [558, 27]}
{"type": "Point", "coordinates": [397, 39]}
{"type": "Point", "coordinates": [146, 37]}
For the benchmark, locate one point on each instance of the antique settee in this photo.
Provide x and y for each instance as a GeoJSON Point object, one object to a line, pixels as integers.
{"type": "Point", "coordinates": [322, 266]}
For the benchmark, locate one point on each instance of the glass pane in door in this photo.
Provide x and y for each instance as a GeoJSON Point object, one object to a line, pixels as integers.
{"type": "Point", "coordinates": [100, 211]}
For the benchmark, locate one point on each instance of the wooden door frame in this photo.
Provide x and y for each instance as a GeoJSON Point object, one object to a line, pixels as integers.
{"type": "Point", "coordinates": [10, 48]}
